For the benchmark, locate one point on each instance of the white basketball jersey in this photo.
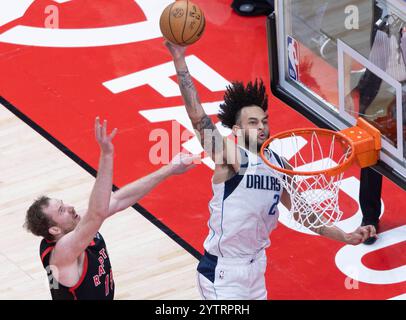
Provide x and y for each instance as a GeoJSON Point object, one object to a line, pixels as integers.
{"type": "Point", "coordinates": [244, 209]}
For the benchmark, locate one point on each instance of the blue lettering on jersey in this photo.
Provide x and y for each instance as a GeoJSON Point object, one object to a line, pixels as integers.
{"type": "Point", "coordinates": [272, 211]}
{"type": "Point", "coordinates": [260, 182]}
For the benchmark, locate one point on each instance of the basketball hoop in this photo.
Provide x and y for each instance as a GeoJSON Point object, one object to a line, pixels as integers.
{"type": "Point", "coordinates": [315, 162]}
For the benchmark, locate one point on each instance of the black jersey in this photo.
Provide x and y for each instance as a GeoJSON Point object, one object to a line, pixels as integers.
{"type": "Point", "coordinates": [96, 281]}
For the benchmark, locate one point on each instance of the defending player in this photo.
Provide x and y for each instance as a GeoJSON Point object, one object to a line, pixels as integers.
{"type": "Point", "coordinates": [244, 207]}
{"type": "Point", "coordinates": [73, 251]}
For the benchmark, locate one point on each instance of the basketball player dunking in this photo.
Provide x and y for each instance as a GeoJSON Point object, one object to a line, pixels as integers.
{"type": "Point", "coordinates": [73, 252]}
{"type": "Point", "coordinates": [243, 210]}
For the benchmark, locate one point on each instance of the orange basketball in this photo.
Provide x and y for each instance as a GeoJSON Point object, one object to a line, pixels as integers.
{"type": "Point", "coordinates": [182, 22]}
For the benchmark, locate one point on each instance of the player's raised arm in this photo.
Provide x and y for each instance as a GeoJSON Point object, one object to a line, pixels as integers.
{"type": "Point", "coordinates": [217, 147]}
{"type": "Point", "coordinates": [71, 245]}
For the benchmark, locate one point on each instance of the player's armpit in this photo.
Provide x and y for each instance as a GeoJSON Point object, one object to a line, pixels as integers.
{"type": "Point", "coordinates": [286, 164]}
{"type": "Point", "coordinates": [220, 149]}
{"type": "Point", "coordinates": [72, 245]}
{"type": "Point", "coordinates": [285, 199]}
{"type": "Point", "coordinates": [208, 135]}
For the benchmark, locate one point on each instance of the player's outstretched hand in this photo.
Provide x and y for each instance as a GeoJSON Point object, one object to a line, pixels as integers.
{"type": "Point", "coordinates": [361, 234]}
{"type": "Point", "coordinates": [182, 162]}
{"type": "Point", "coordinates": [177, 52]}
{"type": "Point", "coordinates": [103, 139]}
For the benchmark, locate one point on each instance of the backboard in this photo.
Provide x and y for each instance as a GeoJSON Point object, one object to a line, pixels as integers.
{"type": "Point", "coordinates": [335, 61]}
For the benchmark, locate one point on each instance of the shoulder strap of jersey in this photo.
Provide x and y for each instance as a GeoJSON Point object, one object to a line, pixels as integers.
{"type": "Point", "coordinates": [244, 159]}
{"type": "Point", "coordinates": [46, 248]}
{"type": "Point", "coordinates": [278, 158]}
{"type": "Point", "coordinates": [270, 153]}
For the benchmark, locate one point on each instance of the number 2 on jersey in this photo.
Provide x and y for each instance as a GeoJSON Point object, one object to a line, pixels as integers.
{"type": "Point", "coordinates": [272, 211]}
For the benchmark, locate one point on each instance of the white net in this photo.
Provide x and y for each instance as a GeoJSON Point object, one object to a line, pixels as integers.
{"type": "Point", "coordinates": [314, 195]}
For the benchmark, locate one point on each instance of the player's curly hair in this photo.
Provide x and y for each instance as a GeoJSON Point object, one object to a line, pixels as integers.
{"type": "Point", "coordinates": [238, 96]}
{"type": "Point", "coordinates": [36, 221]}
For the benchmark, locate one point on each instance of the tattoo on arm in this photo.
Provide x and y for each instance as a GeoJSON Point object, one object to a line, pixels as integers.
{"type": "Point", "coordinates": [188, 90]}
{"type": "Point", "coordinates": [207, 131]}
{"type": "Point", "coordinates": [204, 123]}
{"type": "Point", "coordinates": [208, 134]}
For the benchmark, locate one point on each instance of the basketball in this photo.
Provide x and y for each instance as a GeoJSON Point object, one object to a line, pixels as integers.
{"type": "Point", "coordinates": [182, 22]}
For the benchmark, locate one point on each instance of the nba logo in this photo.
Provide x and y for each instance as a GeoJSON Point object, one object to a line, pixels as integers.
{"type": "Point", "coordinates": [293, 59]}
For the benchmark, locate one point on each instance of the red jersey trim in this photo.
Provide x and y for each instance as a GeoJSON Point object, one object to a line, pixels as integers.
{"type": "Point", "coordinates": [44, 254]}
{"type": "Point", "coordinates": [82, 277]}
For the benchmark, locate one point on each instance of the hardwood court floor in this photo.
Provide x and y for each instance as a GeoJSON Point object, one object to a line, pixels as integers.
{"type": "Point", "coordinates": [147, 264]}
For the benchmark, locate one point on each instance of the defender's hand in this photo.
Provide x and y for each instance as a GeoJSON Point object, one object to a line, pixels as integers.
{"type": "Point", "coordinates": [103, 139]}
{"type": "Point", "coordinates": [181, 163]}
{"type": "Point", "coordinates": [177, 52]}
{"type": "Point", "coordinates": [360, 235]}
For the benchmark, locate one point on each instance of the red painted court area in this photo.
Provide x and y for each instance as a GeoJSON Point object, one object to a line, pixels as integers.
{"type": "Point", "coordinates": [61, 89]}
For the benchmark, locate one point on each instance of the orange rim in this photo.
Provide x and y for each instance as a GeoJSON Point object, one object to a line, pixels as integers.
{"type": "Point", "coordinates": [324, 132]}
